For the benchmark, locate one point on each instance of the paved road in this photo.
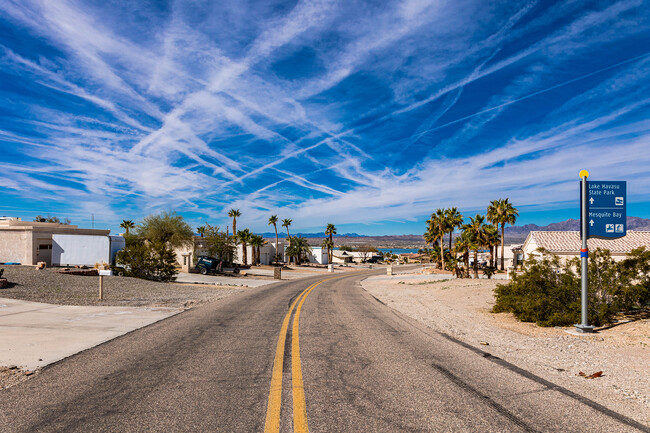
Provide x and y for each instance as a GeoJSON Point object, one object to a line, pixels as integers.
{"type": "Point", "coordinates": [344, 363]}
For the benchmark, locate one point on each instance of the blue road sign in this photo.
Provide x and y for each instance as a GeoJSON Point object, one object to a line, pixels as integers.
{"type": "Point", "coordinates": [606, 209]}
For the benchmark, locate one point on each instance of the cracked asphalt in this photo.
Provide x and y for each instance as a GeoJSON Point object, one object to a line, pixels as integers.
{"type": "Point", "coordinates": [365, 368]}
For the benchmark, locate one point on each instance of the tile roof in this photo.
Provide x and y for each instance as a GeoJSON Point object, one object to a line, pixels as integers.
{"type": "Point", "coordinates": [411, 255]}
{"type": "Point", "coordinates": [569, 241]}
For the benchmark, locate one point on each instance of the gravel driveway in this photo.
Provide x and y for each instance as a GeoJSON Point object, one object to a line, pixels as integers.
{"type": "Point", "coordinates": [52, 287]}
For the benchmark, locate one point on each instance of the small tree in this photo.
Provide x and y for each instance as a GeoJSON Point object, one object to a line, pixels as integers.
{"type": "Point", "coordinates": [168, 228]}
{"type": "Point", "coordinates": [52, 219]}
{"type": "Point", "coordinates": [219, 244]}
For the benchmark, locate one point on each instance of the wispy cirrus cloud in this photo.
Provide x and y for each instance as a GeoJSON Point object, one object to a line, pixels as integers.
{"type": "Point", "coordinates": [323, 111]}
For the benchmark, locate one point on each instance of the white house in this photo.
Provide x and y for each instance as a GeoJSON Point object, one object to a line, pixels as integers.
{"type": "Point", "coordinates": [318, 255]}
{"type": "Point", "coordinates": [29, 242]}
{"type": "Point", "coordinates": [567, 244]}
{"type": "Point", "coordinates": [73, 249]}
{"type": "Point", "coordinates": [267, 253]}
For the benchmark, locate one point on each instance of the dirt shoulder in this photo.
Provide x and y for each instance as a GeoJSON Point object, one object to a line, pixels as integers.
{"type": "Point", "coordinates": [461, 308]}
{"type": "Point", "coordinates": [52, 287]}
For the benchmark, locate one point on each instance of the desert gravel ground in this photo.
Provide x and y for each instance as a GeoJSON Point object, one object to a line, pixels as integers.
{"type": "Point", "coordinates": [461, 308]}
{"type": "Point", "coordinates": [52, 287]}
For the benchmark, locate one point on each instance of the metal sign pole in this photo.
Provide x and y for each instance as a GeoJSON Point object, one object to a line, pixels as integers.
{"type": "Point", "coordinates": [584, 254]}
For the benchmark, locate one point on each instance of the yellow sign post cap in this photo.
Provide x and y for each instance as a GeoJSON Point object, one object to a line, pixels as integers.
{"type": "Point", "coordinates": [584, 173]}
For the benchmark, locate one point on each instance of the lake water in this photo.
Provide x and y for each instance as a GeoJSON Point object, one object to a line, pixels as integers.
{"type": "Point", "coordinates": [398, 250]}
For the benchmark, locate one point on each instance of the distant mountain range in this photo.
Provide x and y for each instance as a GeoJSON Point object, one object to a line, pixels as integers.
{"type": "Point", "coordinates": [282, 234]}
{"type": "Point", "coordinates": [519, 233]}
{"type": "Point", "coordinates": [514, 234]}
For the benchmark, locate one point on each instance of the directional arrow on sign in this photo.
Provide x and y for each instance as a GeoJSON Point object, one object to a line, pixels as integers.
{"type": "Point", "coordinates": [591, 223]}
{"type": "Point", "coordinates": [591, 200]}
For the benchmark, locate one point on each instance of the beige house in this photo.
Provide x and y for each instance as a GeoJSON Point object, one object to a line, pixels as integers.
{"type": "Point", "coordinates": [567, 244]}
{"type": "Point", "coordinates": [29, 242]}
{"type": "Point", "coordinates": [413, 257]}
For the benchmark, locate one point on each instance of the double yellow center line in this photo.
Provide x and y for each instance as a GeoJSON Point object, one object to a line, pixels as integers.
{"type": "Point", "coordinates": [272, 424]}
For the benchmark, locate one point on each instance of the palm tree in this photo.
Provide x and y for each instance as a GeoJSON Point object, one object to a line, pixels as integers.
{"type": "Point", "coordinates": [330, 230]}
{"type": "Point", "coordinates": [454, 220]}
{"type": "Point", "coordinates": [126, 225]}
{"type": "Point", "coordinates": [244, 237]}
{"type": "Point", "coordinates": [439, 222]}
{"type": "Point", "coordinates": [462, 246]}
{"type": "Point", "coordinates": [286, 223]}
{"type": "Point", "coordinates": [329, 245]}
{"type": "Point", "coordinates": [273, 219]}
{"type": "Point", "coordinates": [200, 230]}
{"type": "Point", "coordinates": [492, 216]}
{"type": "Point", "coordinates": [503, 213]}
{"type": "Point", "coordinates": [234, 214]}
{"type": "Point", "coordinates": [256, 241]}
{"type": "Point", "coordinates": [298, 246]}
{"type": "Point", "coordinates": [430, 236]}
{"type": "Point", "coordinates": [476, 233]}
{"type": "Point", "coordinates": [492, 239]}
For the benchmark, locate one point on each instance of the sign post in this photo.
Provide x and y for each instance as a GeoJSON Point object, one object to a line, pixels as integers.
{"type": "Point", "coordinates": [602, 215]}
{"type": "Point", "coordinates": [584, 254]}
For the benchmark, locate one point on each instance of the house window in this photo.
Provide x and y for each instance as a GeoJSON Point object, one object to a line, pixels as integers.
{"type": "Point", "coordinates": [184, 260]}
{"type": "Point", "coordinates": [45, 247]}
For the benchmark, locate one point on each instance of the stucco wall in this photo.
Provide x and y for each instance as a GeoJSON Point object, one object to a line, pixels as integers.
{"type": "Point", "coordinates": [16, 246]}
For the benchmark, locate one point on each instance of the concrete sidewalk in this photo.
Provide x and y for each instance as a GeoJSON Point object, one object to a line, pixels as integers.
{"type": "Point", "coordinates": [33, 334]}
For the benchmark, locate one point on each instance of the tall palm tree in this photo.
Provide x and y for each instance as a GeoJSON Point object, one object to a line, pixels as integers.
{"type": "Point", "coordinates": [475, 230]}
{"type": "Point", "coordinates": [200, 230]}
{"type": "Point", "coordinates": [330, 230]}
{"type": "Point", "coordinates": [286, 223]}
{"type": "Point", "coordinates": [126, 225]}
{"type": "Point", "coordinates": [273, 219]}
{"type": "Point", "coordinates": [493, 216]}
{"type": "Point", "coordinates": [492, 239]}
{"type": "Point", "coordinates": [234, 214]}
{"type": "Point", "coordinates": [439, 221]}
{"type": "Point", "coordinates": [244, 237]}
{"type": "Point", "coordinates": [503, 213]}
{"type": "Point", "coordinates": [454, 220]}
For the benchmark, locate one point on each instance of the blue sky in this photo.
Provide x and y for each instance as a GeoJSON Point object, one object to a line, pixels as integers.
{"type": "Point", "coordinates": [368, 115]}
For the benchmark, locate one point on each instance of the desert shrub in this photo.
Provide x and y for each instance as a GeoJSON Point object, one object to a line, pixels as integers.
{"type": "Point", "coordinates": [541, 294]}
{"type": "Point", "coordinates": [549, 294]}
{"type": "Point", "coordinates": [147, 260]}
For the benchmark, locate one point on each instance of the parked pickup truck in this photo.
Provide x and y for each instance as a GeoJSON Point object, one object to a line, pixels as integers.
{"type": "Point", "coordinates": [209, 265]}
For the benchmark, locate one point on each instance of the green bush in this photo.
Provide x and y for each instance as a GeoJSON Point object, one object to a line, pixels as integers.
{"type": "Point", "coordinates": [147, 260]}
{"type": "Point", "coordinates": [549, 294]}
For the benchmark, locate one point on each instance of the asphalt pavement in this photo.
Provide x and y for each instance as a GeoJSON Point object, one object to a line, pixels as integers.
{"type": "Point", "coordinates": [247, 364]}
